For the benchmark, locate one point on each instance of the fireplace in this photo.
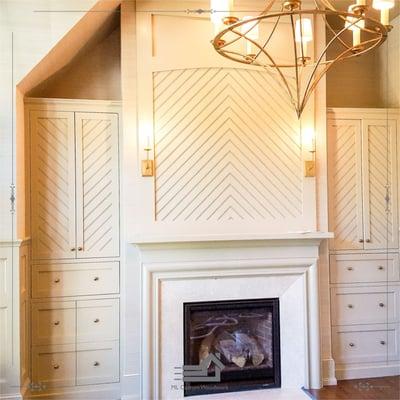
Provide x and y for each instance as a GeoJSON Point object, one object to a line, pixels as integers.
{"type": "Point", "coordinates": [237, 344]}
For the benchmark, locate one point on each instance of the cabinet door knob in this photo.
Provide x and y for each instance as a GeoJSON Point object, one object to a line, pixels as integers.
{"type": "Point", "coordinates": [383, 342]}
{"type": "Point", "coordinates": [96, 321]}
{"type": "Point", "coordinates": [349, 268]}
{"type": "Point", "coordinates": [56, 366]}
{"type": "Point", "coordinates": [80, 248]}
{"type": "Point", "coordinates": [96, 363]}
{"type": "Point", "coordinates": [57, 280]}
{"type": "Point", "coordinates": [350, 305]}
{"type": "Point", "coordinates": [368, 240]}
{"type": "Point", "coordinates": [381, 305]}
{"type": "Point", "coordinates": [73, 249]}
{"type": "Point", "coordinates": [380, 268]}
{"type": "Point", "coordinates": [361, 240]}
{"type": "Point", "coordinates": [56, 323]}
{"type": "Point", "coordinates": [351, 344]}
{"type": "Point", "coordinates": [96, 278]}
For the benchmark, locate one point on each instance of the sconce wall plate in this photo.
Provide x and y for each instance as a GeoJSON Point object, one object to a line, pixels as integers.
{"type": "Point", "coordinates": [309, 169]}
{"type": "Point", "coordinates": [147, 168]}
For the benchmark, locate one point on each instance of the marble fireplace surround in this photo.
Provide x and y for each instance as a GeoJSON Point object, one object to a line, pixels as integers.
{"type": "Point", "coordinates": [186, 269]}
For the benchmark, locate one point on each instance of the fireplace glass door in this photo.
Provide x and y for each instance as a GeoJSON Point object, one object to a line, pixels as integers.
{"type": "Point", "coordinates": [231, 346]}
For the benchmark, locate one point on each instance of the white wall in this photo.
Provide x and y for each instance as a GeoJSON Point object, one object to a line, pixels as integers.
{"type": "Point", "coordinates": [35, 33]}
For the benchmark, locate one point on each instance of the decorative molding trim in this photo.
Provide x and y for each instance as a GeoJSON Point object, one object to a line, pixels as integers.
{"type": "Point", "coordinates": [328, 368]}
{"type": "Point", "coordinates": [164, 265]}
{"type": "Point", "coordinates": [367, 371]}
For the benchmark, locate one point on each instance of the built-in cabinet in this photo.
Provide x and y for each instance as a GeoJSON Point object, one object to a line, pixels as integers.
{"type": "Point", "coordinates": [75, 235]}
{"type": "Point", "coordinates": [364, 255]}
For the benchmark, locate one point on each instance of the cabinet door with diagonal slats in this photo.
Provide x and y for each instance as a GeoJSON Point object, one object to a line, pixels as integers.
{"type": "Point", "coordinates": [380, 184]}
{"type": "Point", "coordinates": [345, 184]}
{"type": "Point", "coordinates": [52, 184]}
{"type": "Point", "coordinates": [97, 184]}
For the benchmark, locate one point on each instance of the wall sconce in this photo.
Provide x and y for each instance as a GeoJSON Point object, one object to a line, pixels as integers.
{"type": "Point", "coordinates": [148, 162]}
{"type": "Point", "coordinates": [308, 141]}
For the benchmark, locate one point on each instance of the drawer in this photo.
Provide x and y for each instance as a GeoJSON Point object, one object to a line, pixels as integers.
{"type": "Point", "coordinates": [58, 280]}
{"type": "Point", "coordinates": [53, 323]}
{"type": "Point", "coordinates": [365, 305]}
{"type": "Point", "coordinates": [97, 363]}
{"type": "Point", "coordinates": [54, 366]}
{"type": "Point", "coordinates": [360, 268]}
{"type": "Point", "coordinates": [97, 320]}
{"type": "Point", "coordinates": [362, 343]}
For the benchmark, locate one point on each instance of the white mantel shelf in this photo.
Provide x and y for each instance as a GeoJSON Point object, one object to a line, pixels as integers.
{"type": "Point", "coordinates": [280, 238]}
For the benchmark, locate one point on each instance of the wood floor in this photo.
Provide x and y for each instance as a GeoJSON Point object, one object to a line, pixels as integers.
{"type": "Point", "coordinates": [387, 388]}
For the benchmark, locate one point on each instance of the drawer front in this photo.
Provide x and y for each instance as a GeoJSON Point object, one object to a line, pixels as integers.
{"type": "Point", "coordinates": [97, 320]}
{"type": "Point", "coordinates": [53, 323]}
{"type": "Point", "coordinates": [365, 305]}
{"type": "Point", "coordinates": [97, 363]}
{"type": "Point", "coordinates": [58, 280]}
{"type": "Point", "coordinates": [54, 366]}
{"type": "Point", "coordinates": [360, 268]}
{"type": "Point", "coordinates": [360, 344]}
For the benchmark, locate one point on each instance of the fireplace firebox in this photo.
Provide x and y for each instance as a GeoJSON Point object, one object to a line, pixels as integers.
{"type": "Point", "coordinates": [231, 346]}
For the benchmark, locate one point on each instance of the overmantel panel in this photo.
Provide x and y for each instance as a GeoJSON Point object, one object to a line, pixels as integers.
{"type": "Point", "coordinates": [225, 139]}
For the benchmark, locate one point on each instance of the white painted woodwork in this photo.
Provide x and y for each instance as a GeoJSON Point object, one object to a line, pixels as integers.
{"type": "Point", "coordinates": [364, 268]}
{"type": "Point", "coordinates": [53, 323]}
{"type": "Point", "coordinates": [345, 194]}
{"type": "Point", "coordinates": [54, 366]}
{"type": "Point", "coordinates": [97, 364]}
{"type": "Point", "coordinates": [52, 184]}
{"type": "Point", "coordinates": [365, 305]}
{"type": "Point", "coordinates": [85, 269]}
{"type": "Point", "coordinates": [366, 344]}
{"type": "Point", "coordinates": [78, 279]}
{"type": "Point", "coordinates": [381, 228]}
{"type": "Point", "coordinates": [223, 150]}
{"type": "Point", "coordinates": [97, 185]}
{"type": "Point", "coordinates": [97, 321]}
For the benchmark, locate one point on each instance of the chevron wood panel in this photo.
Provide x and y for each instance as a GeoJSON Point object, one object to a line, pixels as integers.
{"type": "Point", "coordinates": [345, 183]}
{"type": "Point", "coordinates": [225, 150]}
{"type": "Point", "coordinates": [381, 140]}
{"type": "Point", "coordinates": [98, 182]}
{"type": "Point", "coordinates": [53, 175]}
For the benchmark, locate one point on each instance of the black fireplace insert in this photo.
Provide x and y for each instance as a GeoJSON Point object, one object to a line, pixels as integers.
{"type": "Point", "coordinates": [231, 346]}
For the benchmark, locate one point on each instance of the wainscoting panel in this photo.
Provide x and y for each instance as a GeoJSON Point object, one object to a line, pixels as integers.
{"type": "Point", "coordinates": [225, 147]}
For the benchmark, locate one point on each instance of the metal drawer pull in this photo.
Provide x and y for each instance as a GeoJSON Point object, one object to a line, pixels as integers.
{"type": "Point", "coordinates": [73, 249]}
{"type": "Point", "coordinates": [351, 344]}
{"type": "Point", "coordinates": [350, 305]}
{"type": "Point", "coordinates": [368, 240]}
{"type": "Point", "coordinates": [56, 366]}
{"type": "Point", "coordinates": [381, 305]}
{"type": "Point", "coordinates": [380, 268]}
{"type": "Point", "coordinates": [361, 240]}
{"type": "Point", "coordinates": [57, 280]}
{"type": "Point", "coordinates": [80, 248]}
{"type": "Point", "coordinates": [96, 321]}
{"type": "Point", "coordinates": [57, 323]}
{"type": "Point", "coordinates": [349, 268]}
{"type": "Point", "coordinates": [96, 364]}
{"type": "Point", "coordinates": [96, 278]}
{"type": "Point", "coordinates": [383, 342]}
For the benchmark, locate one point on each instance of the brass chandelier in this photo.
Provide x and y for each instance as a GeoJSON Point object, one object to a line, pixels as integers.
{"type": "Point", "coordinates": [280, 39]}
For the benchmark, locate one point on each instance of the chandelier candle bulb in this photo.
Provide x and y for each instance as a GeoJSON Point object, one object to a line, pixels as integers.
{"type": "Point", "coordinates": [385, 17]}
{"type": "Point", "coordinates": [303, 34]}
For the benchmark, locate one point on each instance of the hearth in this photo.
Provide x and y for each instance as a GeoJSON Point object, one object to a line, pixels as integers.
{"type": "Point", "coordinates": [237, 342]}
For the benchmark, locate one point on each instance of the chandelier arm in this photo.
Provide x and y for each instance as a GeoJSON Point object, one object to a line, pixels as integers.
{"type": "Point", "coordinates": [316, 78]}
{"type": "Point", "coordinates": [295, 59]}
{"type": "Point", "coordinates": [276, 66]}
{"type": "Point", "coordinates": [268, 7]}
{"type": "Point", "coordinates": [333, 31]}
{"type": "Point", "coordinates": [270, 36]}
{"type": "Point", "coordinates": [322, 55]}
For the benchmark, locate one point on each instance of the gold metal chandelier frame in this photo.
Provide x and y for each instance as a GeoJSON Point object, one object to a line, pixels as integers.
{"type": "Point", "coordinates": [377, 32]}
